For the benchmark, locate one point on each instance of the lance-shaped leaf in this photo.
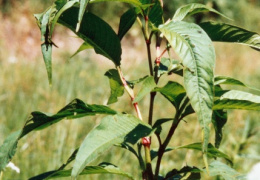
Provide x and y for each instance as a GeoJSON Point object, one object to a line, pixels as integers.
{"type": "Point", "coordinates": [46, 22]}
{"type": "Point", "coordinates": [191, 9]}
{"type": "Point", "coordinates": [39, 120]}
{"type": "Point", "coordinates": [156, 14]}
{"type": "Point", "coordinates": [237, 100]}
{"type": "Point", "coordinates": [228, 33]}
{"type": "Point", "coordinates": [221, 169]}
{"type": "Point", "coordinates": [212, 151]}
{"type": "Point", "coordinates": [169, 66]}
{"type": "Point", "coordinates": [197, 53]}
{"type": "Point", "coordinates": [147, 86]}
{"type": "Point", "coordinates": [95, 32]}
{"type": "Point", "coordinates": [179, 174]}
{"type": "Point", "coordinates": [8, 149]}
{"type": "Point", "coordinates": [219, 119]}
{"type": "Point", "coordinates": [172, 91]}
{"type": "Point", "coordinates": [111, 131]}
{"type": "Point", "coordinates": [103, 168]}
{"type": "Point", "coordinates": [82, 9]}
{"type": "Point", "coordinates": [126, 22]}
{"type": "Point", "coordinates": [116, 86]}
{"type": "Point", "coordinates": [83, 47]}
{"type": "Point", "coordinates": [231, 81]}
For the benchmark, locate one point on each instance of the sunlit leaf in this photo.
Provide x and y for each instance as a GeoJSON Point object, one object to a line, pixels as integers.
{"type": "Point", "coordinates": [116, 86]}
{"type": "Point", "coordinates": [147, 86]}
{"type": "Point", "coordinates": [111, 131]}
{"type": "Point", "coordinates": [82, 8]}
{"type": "Point", "coordinates": [169, 66]}
{"type": "Point", "coordinates": [191, 9]}
{"type": "Point", "coordinates": [103, 168]}
{"type": "Point", "coordinates": [221, 169]}
{"type": "Point", "coordinates": [95, 32]}
{"type": "Point", "coordinates": [212, 151]}
{"type": "Point", "coordinates": [39, 120]}
{"type": "Point", "coordinates": [197, 53]}
{"type": "Point", "coordinates": [237, 100]}
{"type": "Point", "coordinates": [126, 22]}
{"type": "Point", "coordinates": [180, 174]}
{"type": "Point", "coordinates": [8, 149]}
{"type": "Point", "coordinates": [47, 56]}
{"type": "Point", "coordinates": [231, 81]}
{"type": "Point", "coordinates": [229, 33]}
{"type": "Point", "coordinates": [83, 47]}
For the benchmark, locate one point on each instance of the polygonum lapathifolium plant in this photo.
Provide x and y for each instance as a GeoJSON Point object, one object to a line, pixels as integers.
{"type": "Point", "coordinates": [200, 93]}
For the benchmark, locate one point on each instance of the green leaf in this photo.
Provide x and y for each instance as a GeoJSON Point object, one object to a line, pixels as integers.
{"type": "Point", "coordinates": [116, 86]}
{"type": "Point", "coordinates": [231, 81]}
{"type": "Point", "coordinates": [177, 174]}
{"type": "Point", "coordinates": [103, 168]}
{"type": "Point", "coordinates": [95, 32]}
{"type": "Point", "coordinates": [132, 83]}
{"type": "Point", "coordinates": [47, 53]}
{"type": "Point", "coordinates": [39, 120]}
{"type": "Point", "coordinates": [228, 33]}
{"type": "Point", "coordinates": [168, 66]}
{"type": "Point", "coordinates": [155, 15]}
{"type": "Point", "coordinates": [147, 86]}
{"type": "Point", "coordinates": [172, 91]}
{"type": "Point", "coordinates": [133, 2]}
{"type": "Point", "coordinates": [191, 9]}
{"type": "Point", "coordinates": [197, 53]}
{"type": "Point", "coordinates": [219, 119]}
{"type": "Point", "coordinates": [218, 168]}
{"type": "Point", "coordinates": [111, 131]}
{"type": "Point", "coordinates": [83, 47]}
{"type": "Point", "coordinates": [46, 22]}
{"type": "Point", "coordinates": [126, 22]}
{"type": "Point", "coordinates": [237, 100]}
{"type": "Point", "coordinates": [8, 149]}
{"type": "Point", "coordinates": [82, 9]}
{"type": "Point", "coordinates": [212, 151]}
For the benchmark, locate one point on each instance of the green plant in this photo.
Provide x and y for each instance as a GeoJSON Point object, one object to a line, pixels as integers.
{"type": "Point", "coordinates": [201, 93]}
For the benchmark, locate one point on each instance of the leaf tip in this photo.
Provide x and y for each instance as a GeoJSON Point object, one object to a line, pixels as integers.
{"type": "Point", "coordinates": [77, 27]}
{"type": "Point", "coordinates": [205, 159]}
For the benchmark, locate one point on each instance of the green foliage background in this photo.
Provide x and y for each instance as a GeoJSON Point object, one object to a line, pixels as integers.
{"type": "Point", "coordinates": [24, 88]}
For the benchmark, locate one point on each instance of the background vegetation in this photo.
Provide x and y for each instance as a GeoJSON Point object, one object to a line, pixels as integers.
{"type": "Point", "coordinates": [24, 87]}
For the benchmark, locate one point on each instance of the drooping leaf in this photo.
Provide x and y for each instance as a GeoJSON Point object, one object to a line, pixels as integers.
{"type": "Point", "coordinates": [221, 169]}
{"type": "Point", "coordinates": [95, 32]}
{"type": "Point", "coordinates": [156, 14]}
{"type": "Point", "coordinates": [133, 2]}
{"type": "Point", "coordinates": [82, 9]}
{"type": "Point", "coordinates": [103, 168]}
{"type": "Point", "coordinates": [39, 120]}
{"type": "Point", "coordinates": [193, 8]}
{"type": "Point", "coordinates": [126, 22]}
{"type": "Point", "coordinates": [235, 99]}
{"type": "Point", "coordinates": [147, 86]}
{"type": "Point", "coordinates": [196, 51]}
{"type": "Point", "coordinates": [112, 130]}
{"type": "Point", "coordinates": [219, 119]}
{"type": "Point", "coordinates": [116, 86]}
{"type": "Point", "coordinates": [212, 151]}
{"type": "Point", "coordinates": [8, 149]}
{"type": "Point", "coordinates": [47, 53]}
{"type": "Point", "coordinates": [179, 174]}
{"type": "Point", "coordinates": [172, 91]}
{"type": "Point", "coordinates": [229, 33]}
{"type": "Point", "coordinates": [231, 81]}
{"type": "Point", "coordinates": [46, 22]}
{"type": "Point", "coordinates": [83, 47]}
